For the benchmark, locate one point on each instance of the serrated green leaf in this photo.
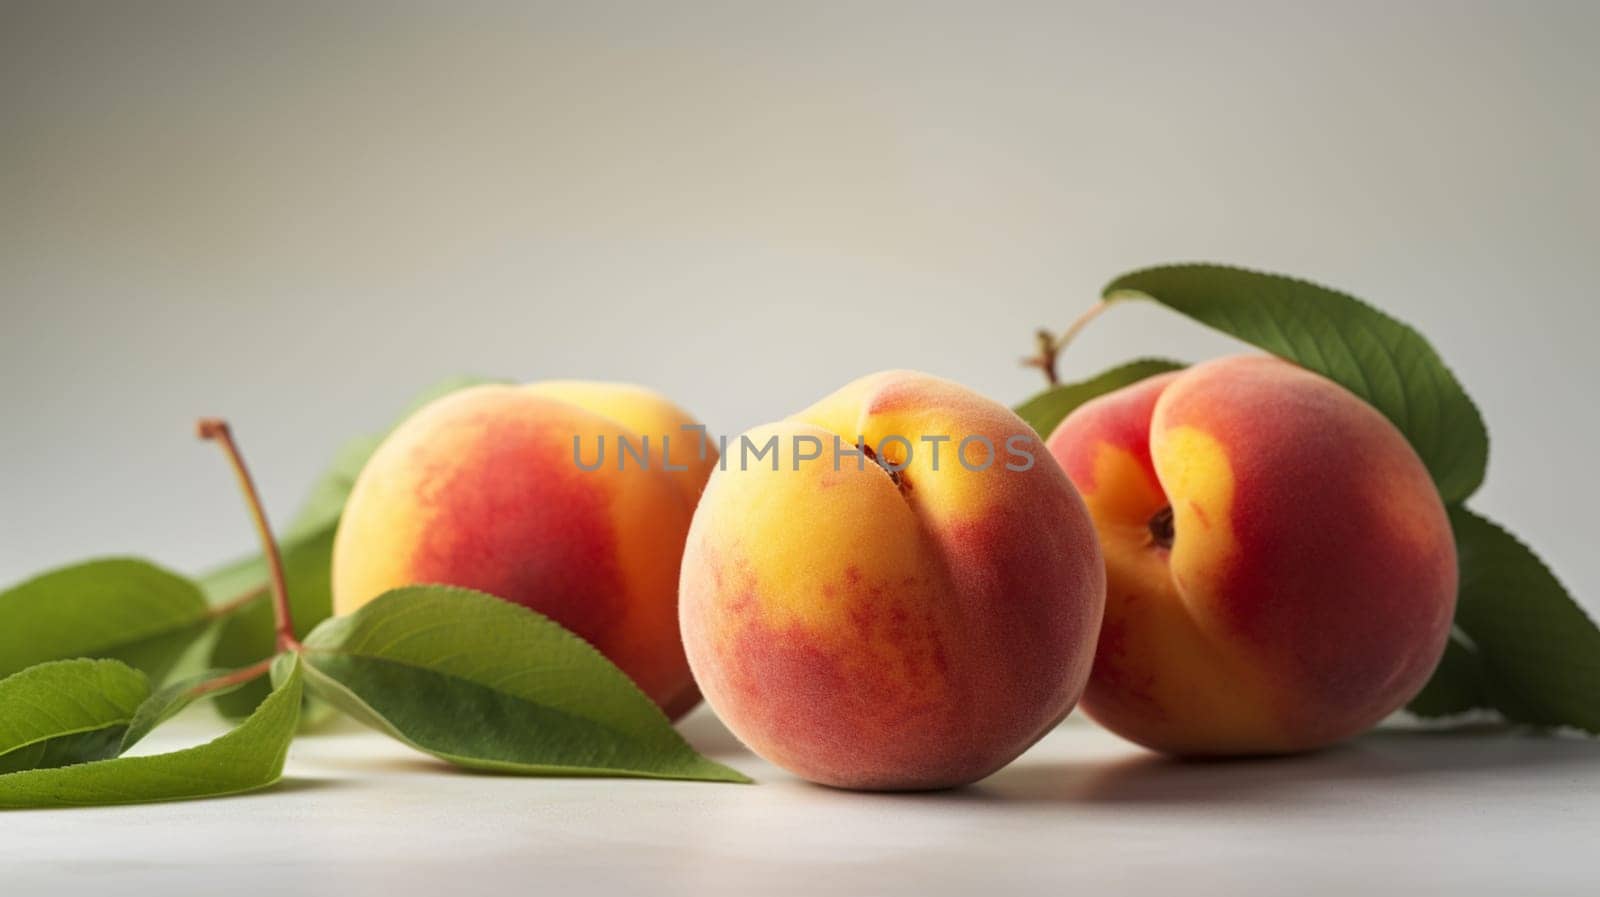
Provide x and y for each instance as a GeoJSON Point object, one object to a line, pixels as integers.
{"type": "Point", "coordinates": [1385, 362]}
{"type": "Point", "coordinates": [1046, 410]}
{"type": "Point", "coordinates": [170, 700]}
{"type": "Point", "coordinates": [487, 684]}
{"type": "Point", "coordinates": [67, 711]}
{"type": "Point", "coordinates": [246, 759]}
{"type": "Point", "coordinates": [250, 634]}
{"type": "Point", "coordinates": [1456, 685]}
{"type": "Point", "coordinates": [119, 608]}
{"type": "Point", "coordinates": [1539, 651]}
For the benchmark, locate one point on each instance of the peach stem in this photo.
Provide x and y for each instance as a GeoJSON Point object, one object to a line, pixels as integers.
{"type": "Point", "coordinates": [1050, 345]}
{"type": "Point", "coordinates": [240, 600]}
{"type": "Point", "coordinates": [217, 431]}
{"type": "Point", "coordinates": [237, 677]}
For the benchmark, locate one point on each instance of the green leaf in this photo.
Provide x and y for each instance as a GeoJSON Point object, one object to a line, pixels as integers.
{"type": "Point", "coordinates": [306, 544]}
{"type": "Point", "coordinates": [170, 700]}
{"type": "Point", "coordinates": [67, 711]}
{"type": "Point", "coordinates": [325, 502]}
{"type": "Point", "coordinates": [121, 608]}
{"type": "Point", "coordinates": [1383, 361]}
{"type": "Point", "coordinates": [487, 684]}
{"type": "Point", "coordinates": [250, 634]}
{"type": "Point", "coordinates": [1456, 685]}
{"type": "Point", "coordinates": [1538, 651]}
{"type": "Point", "coordinates": [1045, 411]}
{"type": "Point", "coordinates": [246, 759]}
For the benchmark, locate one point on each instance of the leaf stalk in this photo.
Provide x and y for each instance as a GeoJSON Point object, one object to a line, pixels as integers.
{"type": "Point", "coordinates": [1050, 345]}
{"type": "Point", "coordinates": [237, 677]}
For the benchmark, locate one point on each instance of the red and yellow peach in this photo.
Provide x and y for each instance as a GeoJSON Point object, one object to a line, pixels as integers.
{"type": "Point", "coordinates": [1280, 569]}
{"type": "Point", "coordinates": [483, 489]}
{"type": "Point", "coordinates": [911, 619]}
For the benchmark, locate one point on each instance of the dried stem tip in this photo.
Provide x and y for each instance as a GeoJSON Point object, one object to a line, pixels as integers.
{"type": "Point", "coordinates": [211, 428]}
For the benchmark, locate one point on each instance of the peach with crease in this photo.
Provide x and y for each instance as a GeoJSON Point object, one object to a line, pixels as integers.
{"type": "Point", "coordinates": [891, 630]}
{"type": "Point", "coordinates": [1281, 573]}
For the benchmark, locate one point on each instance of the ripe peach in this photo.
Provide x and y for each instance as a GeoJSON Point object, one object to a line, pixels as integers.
{"type": "Point", "coordinates": [483, 489]}
{"type": "Point", "coordinates": [871, 628]}
{"type": "Point", "coordinates": [1280, 569]}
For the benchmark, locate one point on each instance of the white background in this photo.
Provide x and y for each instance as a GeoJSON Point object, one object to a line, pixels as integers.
{"type": "Point", "coordinates": [297, 215]}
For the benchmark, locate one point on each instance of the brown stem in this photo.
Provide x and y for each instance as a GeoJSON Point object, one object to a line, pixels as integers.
{"type": "Point", "coordinates": [218, 431]}
{"type": "Point", "coordinates": [251, 596]}
{"type": "Point", "coordinates": [1044, 357]}
{"type": "Point", "coordinates": [1050, 345]}
{"type": "Point", "coordinates": [1162, 528]}
{"type": "Point", "coordinates": [237, 677]}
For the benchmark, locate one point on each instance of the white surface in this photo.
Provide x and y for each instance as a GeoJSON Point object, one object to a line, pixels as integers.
{"type": "Point", "coordinates": [1080, 814]}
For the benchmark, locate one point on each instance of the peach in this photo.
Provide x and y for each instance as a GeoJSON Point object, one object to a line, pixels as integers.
{"type": "Point", "coordinates": [483, 489]}
{"type": "Point", "coordinates": [913, 616]}
{"type": "Point", "coordinates": [1280, 570]}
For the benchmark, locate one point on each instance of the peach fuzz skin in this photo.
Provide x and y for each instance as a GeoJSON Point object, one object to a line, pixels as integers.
{"type": "Point", "coordinates": [480, 489]}
{"type": "Point", "coordinates": [1302, 588]}
{"type": "Point", "coordinates": [873, 634]}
